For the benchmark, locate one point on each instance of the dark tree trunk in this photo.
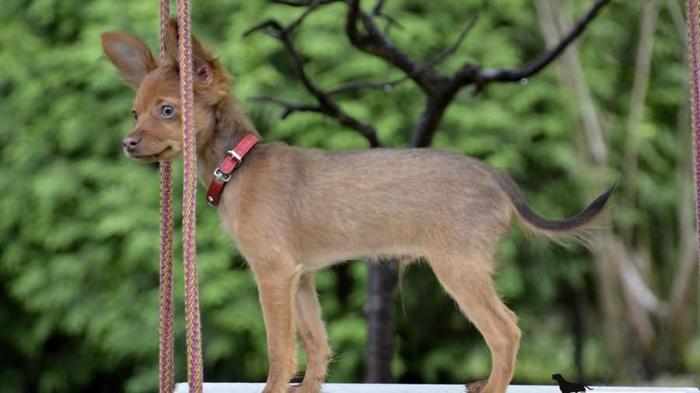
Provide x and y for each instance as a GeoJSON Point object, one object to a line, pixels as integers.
{"type": "Point", "coordinates": [574, 306]}
{"type": "Point", "coordinates": [381, 282]}
{"type": "Point", "coordinates": [345, 283]}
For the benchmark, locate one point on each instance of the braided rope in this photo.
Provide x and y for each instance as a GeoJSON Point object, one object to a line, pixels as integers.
{"type": "Point", "coordinates": [167, 312]}
{"type": "Point", "coordinates": [694, 67]}
{"type": "Point", "coordinates": [192, 322]}
{"type": "Point", "coordinates": [167, 340]}
{"type": "Point", "coordinates": [166, 383]}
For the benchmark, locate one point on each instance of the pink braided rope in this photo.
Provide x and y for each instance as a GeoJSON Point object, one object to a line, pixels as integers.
{"type": "Point", "coordinates": [694, 67]}
{"type": "Point", "coordinates": [192, 321]}
{"type": "Point", "coordinates": [166, 383]}
{"type": "Point", "coordinates": [166, 347]}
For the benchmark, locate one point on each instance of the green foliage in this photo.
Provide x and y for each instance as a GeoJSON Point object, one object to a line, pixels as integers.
{"type": "Point", "coordinates": [79, 227]}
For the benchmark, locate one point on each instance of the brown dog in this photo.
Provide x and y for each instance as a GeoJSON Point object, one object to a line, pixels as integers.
{"type": "Point", "coordinates": [292, 211]}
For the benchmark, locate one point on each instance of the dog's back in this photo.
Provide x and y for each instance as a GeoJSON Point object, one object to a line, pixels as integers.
{"type": "Point", "coordinates": [367, 203]}
{"type": "Point", "coordinates": [331, 206]}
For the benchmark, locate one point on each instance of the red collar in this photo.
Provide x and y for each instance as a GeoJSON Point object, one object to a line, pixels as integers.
{"type": "Point", "coordinates": [231, 161]}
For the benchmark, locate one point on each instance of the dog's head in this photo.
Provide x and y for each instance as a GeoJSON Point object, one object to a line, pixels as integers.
{"type": "Point", "coordinates": [556, 377]}
{"type": "Point", "coordinates": [157, 133]}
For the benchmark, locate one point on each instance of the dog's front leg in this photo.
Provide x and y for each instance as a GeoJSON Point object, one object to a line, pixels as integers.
{"type": "Point", "coordinates": [312, 334]}
{"type": "Point", "coordinates": [277, 286]}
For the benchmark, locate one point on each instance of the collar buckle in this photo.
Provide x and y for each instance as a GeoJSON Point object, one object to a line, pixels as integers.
{"type": "Point", "coordinates": [223, 178]}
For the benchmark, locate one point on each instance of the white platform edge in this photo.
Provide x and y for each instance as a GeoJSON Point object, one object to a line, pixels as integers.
{"type": "Point", "coordinates": [406, 388]}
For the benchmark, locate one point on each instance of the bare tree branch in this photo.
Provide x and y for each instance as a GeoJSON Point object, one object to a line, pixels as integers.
{"type": "Point", "coordinates": [554, 26]}
{"type": "Point", "coordinates": [639, 290]}
{"type": "Point", "coordinates": [436, 105]}
{"type": "Point", "coordinates": [388, 85]}
{"type": "Point", "coordinates": [638, 96]}
{"type": "Point", "coordinates": [676, 11]}
{"type": "Point", "coordinates": [270, 27]}
{"type": "Point", "coordinates": [686, 272]}
{"type": "Point", "coordinates": [439, 89]}
{"type": "Point", "coordinates": [303, 3]}
{"type": "Point", "coordinates": [275, 29]}
{"type": "Point", "coordinates": [535, 66]}
{"type": "Point", "coordinates": [378, 11]}
{"type": "Point", "coordinates": [326, 105]}
{"type": "Point", "coordinates": [374, 42]}
{"type": "Point", "coordinates": [444, 55]}
{"type": "Point", "coordinates": [473, 74]}
{"type": "Point", "coordinates": [288, 108]}
{"type": "Point", "coordinates": [296, 22]}
{"type": "Point", "coordinates": [367, 85]}
{"type": "Point", "coordinates": [378, 7]}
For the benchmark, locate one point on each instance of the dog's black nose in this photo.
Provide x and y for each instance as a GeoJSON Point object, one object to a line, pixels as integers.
{"type": "Point", "coordinates": [130, 142]}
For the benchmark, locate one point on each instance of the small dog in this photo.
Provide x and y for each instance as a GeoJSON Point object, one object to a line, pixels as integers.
{"type": "Point", "coordinates": [569, 387]}
{"type": "Point", "coordinates": [292, 211]}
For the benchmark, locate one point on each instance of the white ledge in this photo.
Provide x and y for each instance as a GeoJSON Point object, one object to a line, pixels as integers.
{"type": "Point", "coordinates": [405, 388]}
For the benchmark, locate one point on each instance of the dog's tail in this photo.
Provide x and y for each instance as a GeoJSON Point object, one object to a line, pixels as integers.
{"type": "Point", "coordinates": [577, 226]}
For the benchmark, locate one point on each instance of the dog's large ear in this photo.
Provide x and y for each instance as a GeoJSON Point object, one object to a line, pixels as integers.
{"type": "Point", "coordinates": [130, 55]}
{"type": "Point", "coordinates": [205, 66]}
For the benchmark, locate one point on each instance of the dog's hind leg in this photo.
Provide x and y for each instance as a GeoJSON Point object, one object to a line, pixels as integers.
{"type": "Point", "coordinates": [312, 333]}
{"type": "Point", "coordinates": [468, 281]}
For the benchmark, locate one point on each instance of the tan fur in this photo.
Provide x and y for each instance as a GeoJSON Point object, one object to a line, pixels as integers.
{"type": "Point", "coordinates": [292, 211]}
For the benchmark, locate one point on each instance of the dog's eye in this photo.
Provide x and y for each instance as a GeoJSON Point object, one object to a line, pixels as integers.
{"type": "Point", "coordinates": [167, 111]}
{"type": "Point", "coordinates": [135, 115]}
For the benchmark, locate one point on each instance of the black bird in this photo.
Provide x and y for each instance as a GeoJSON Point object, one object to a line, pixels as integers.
{"type": "Point", "coordinates": [569, 387]}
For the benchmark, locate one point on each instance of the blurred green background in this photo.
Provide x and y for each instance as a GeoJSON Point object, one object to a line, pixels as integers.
{"type": "Point", "coordinates": [79, 221]}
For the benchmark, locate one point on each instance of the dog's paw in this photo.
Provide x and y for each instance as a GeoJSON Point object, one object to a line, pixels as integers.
{"type": "Point", "coordinates": [476, 387]}
{"type": "Point", "coordinates": [304, 388]}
